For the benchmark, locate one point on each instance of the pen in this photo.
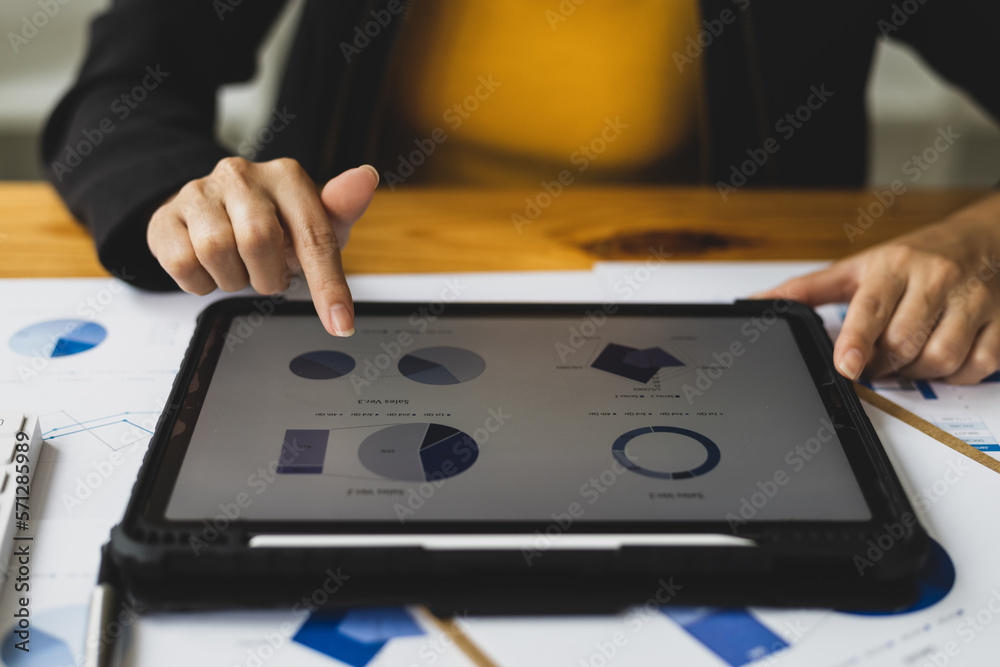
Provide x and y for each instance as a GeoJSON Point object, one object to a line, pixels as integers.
{"type": "Point", "coordinates": [99, 644]}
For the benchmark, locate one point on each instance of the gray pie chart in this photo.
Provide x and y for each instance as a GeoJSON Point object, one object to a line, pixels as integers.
{"type": "Point", "coordinates": [418, 452]}
{"type": "Point", "coordinates": [442, 365]}
{"type": "Point", "coordinates": [322, 365]}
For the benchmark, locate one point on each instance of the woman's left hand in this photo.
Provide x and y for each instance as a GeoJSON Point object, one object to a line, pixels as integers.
{"type": "Point", "coordinates": [923, 305]}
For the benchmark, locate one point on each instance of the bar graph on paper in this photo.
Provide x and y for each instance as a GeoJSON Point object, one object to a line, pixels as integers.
{"type": "Point", "coordinates": [969, 412]}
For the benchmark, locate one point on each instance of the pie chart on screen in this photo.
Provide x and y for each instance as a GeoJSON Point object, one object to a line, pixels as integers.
{"type": "Point", "coordinates": [442, 365]}
{"type": "Point", "coordinates": [58, 338]}
{"type": "Point", "coordinates": [322, 365]}
{"type": "Point", "coordinates": [418, 452]}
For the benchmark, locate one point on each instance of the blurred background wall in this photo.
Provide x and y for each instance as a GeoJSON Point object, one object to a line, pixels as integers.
{"type": "Point", "coordinates": [907, 102]}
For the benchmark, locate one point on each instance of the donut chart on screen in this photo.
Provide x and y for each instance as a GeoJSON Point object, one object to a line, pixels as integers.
{"type": "Point", "coordinates": [713, 455]}
{"type": "Point", "coordinates": [418, 452]}
{"type": "Point", "coordinates": [322, 365]}
{"type": "Point", "coordinates": [441, 365]}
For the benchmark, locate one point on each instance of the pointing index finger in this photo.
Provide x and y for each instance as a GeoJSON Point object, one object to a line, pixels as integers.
{"type": "Point", "coordinates": [318, 251]}
{"type": "Point", "coordinates": [867, 317]}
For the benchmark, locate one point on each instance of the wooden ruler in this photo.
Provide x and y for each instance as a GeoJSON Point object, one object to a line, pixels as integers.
{"type": "Point", "coordinates": [453, 629]}
{"type": "Point", "coordinates": [942, 436]}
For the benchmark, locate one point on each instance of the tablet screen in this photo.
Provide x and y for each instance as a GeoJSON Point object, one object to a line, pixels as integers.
{"type": "Point", "coordinates": [515, 418]}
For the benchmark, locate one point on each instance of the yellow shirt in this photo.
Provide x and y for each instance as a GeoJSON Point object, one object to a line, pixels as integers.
{"type": "Point", "coordinates": [514, 91]}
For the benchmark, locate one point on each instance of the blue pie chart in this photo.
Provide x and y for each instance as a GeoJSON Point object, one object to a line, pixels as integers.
{"type": "Point", "coordinates": [56, 639]}
{"type": "Point", "coordinates": [58, 338]}
{"type": "Point", "coordinates": [322, 365]}
{"type": "Point", "coordinates": [934, 581]}
{"type": "Point", "coordinates": [418, 452]}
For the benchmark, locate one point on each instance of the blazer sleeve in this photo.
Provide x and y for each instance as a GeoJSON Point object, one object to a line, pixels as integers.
{"type": "Point", "coordinates": [140, 120]}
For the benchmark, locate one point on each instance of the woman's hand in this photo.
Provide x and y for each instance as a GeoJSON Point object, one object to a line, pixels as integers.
{"type": "Point", "coordinates": [250, 223]}
{"type": "Point", "coordinates": [924, 305]}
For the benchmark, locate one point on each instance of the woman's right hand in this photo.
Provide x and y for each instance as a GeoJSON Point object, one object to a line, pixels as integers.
{"type": "Point", "coordinates": [257, 223]}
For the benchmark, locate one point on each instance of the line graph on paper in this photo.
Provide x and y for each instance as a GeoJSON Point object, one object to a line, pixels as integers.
{"type": "Point", "coordinates": [114, 431]}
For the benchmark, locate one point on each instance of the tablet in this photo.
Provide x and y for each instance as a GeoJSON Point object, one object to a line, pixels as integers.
{"type": "Point", "coordinates": [517, 457]}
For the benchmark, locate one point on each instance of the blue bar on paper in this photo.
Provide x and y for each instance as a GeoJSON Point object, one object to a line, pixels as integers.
{"type": "Point", "coordinates": [732, 634]}
{"type": "Point", "coordinates": [303, 451]}
{"type": "Point", "coordinates": [926, 390]}
{"type": "Point", "coordinates": [355, 637]}
{"type": "Point", "coordinates": [992, 378]}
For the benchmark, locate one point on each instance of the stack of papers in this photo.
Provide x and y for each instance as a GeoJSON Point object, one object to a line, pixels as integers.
{"type": "Point", "coordinates": [96, 361]}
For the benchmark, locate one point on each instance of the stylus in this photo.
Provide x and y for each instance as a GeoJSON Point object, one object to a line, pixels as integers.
{"type": "Point", "coordinates": [102, 629]}
{"type": "Point", "coordinates": [596, 541]}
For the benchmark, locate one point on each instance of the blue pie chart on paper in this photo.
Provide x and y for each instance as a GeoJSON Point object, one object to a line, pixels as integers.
{"type": "Point", "coordinates": [56, 638]}
{"type": "Point", "coordinates": [58, 338]}
{"type": "Point", "coordinates": [934, 581]}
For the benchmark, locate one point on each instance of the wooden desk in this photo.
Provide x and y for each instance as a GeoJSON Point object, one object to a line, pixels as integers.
{"type": "Point", "coordinates": [442, 230]}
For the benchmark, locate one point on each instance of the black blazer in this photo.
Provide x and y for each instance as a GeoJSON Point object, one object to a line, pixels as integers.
{"type": "Point", "coordinates": [139, 122]}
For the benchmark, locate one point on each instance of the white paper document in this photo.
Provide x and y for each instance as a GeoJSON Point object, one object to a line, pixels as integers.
{"type": "Point", "coordinates": [96, 360]}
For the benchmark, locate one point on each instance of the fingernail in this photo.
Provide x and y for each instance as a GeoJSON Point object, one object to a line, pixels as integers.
{"type": "Point", "coordinates": [341, 319]}
{"type": "Point", "coordinates": [372, 170]}
{"type": "Point", "coordinates": [851, 364]}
